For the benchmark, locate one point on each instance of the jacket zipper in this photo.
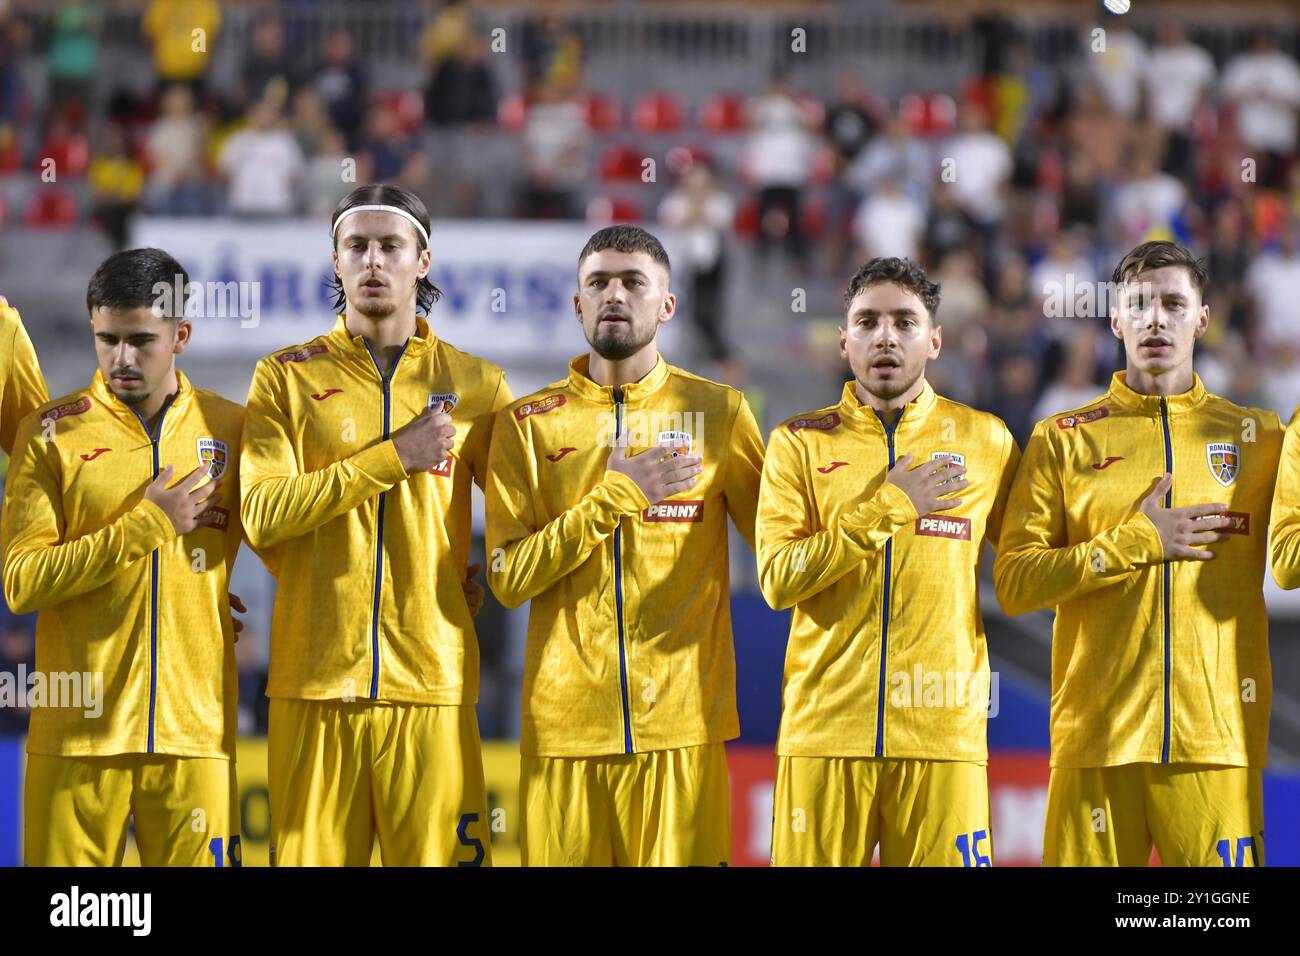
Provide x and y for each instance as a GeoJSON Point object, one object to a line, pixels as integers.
{"type": "Point", "coordinates": [618, 593]}
{"type": "Point", "coordinates": [884, 608]}
{"type": "Point", "coordinates": [154, 438]}
{"type": "Point", "coordinates": [1168, 572]}
{"type": "Point", "coordinates": [385, 381]}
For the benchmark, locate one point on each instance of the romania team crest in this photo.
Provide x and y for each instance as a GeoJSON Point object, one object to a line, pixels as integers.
{"type": "Point", "coordinates": [212, 455]}
{"type": "Point", "coordinates": [1224, 458]}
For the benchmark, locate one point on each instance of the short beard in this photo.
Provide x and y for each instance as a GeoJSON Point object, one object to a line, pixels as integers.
{"type": "Point", "coordinates": [892, 390]}
{"type": "Point", "coordinates": [134, 398]}
{"type": "Point", "coordinates": [614, 346]}
{"type": "Point", "coordinates": [375, 310]}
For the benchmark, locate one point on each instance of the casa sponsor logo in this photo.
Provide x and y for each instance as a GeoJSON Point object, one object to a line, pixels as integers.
{"type": "Point", "coordinates": [687, 511]}
{"type": "Point", "coordinates": [213, 456]}
{"type": "Point", "coordinates": [302, 354]}
{"type": "Point", "coordinates": [823, 424]}
{"type": "Point", "coordinates": [72, 690]}
{"type": "Point", "coordinates": [1240, 522]}
{"type": "Point", "coordinates": [133, 911]}
{"type": "Point", "coordinates": [1083, 418]}
{"type": "Point", "coordinates": [943, 526]}
{"type": "Point", "coordinates": [1224, 459]}
{"type": "Point", "coordinates": [539, 407]}
{"type": "Point", "coordinates": [443, 401]}
{"type": "Point", "coordinates": [77, 407]}
{"type": "Point", "coordinates": [946, 689]}
{"type": "Point", "coordinates": [644, 429]}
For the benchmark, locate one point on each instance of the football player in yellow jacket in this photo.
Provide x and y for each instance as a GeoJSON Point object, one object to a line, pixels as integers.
{"type": "Point", "coordinates": [1141, 518]}
{"type": "Point", "coordinates": [22, 388]}
{"type": "Point", "coordinates": [116, 533]}
{"type": "Point", "coordinates": [1284, 558]}
{"type": "Point", "coordinates": [358, 457]}
{"type": "Point", "coordinates": [871, 519]}
{"type": "Point", "coordinates": [607, 502]}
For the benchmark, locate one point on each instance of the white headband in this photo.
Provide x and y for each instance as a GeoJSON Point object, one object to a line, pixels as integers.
{"type": "Point", "coordinates": [401, 212]}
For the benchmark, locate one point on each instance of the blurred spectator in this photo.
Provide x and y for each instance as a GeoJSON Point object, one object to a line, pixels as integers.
{"type": "Point", "coordinates": [1145, 205]}
{"type": "Point", "coordinates": [1063, 283]}
{"type": "Point", "coordinates": [552, 52]}
{"type": "Point", "coordinates": [310, 121]}
{"type": "Point", "coordinates": [323, 178]}
{"type": "Point", "coordinates": [268, 66]}
{"type": "Point", "coordinates": [461, 89]}
{"type": "Point", "coordinates": [341, 83]}
{"type": "Point", "coordinates": [183, 33]}
{"type": "Point", "coordinates": [175, 146]}
{"type": "Point", "coordinates": [116, 182]}
{"type": "Point", "coordinates": [390, 153]}
{"type": "Point", "coordinates": [1118, 69]}
{"type": "Point", "coordinates": [1077, 382]}
{"type": "Point", "coordinates": [74, 53]}
{"type": "Point", "coordinates": [1273, 283]}
{"type": "Point", "coordinates": [1080, 202]}
{"type": "Point", "coordinates": [965, 302]}
{"type": "Point", "coordinates": [849, 126]}
{"type": "Point", "coordinates": [704, 212]}
{"type": "Point", "coordinates": [555, 154]}
{"type": "Point", "coordinates": [779, 156]}
{"type": "Point", "coordinates": [947, 228]}
{"type": "Point", "coordinates": [1264, 84]}
{"type": "Point", "coordinates": [1096, 132]}
{"type": "Point", "coordinates": [1179, 74]}
{"type": "Point", "coordinates": [263, 164]}
{"type": "Point", "coordinates": [1229, 258]}
{"type": "Point", "coordinates": [13, 38]}
{"type": "Point", "coordinates": [895, 153]}
{"type": "Point", "coordinates": [448, 31]}
{"type": "Point", "coordinates": [889, 223]}
{"type": "Point", "coordinates": [981, 168]}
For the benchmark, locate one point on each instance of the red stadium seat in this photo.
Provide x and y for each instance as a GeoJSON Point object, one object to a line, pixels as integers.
{"type": "Point", "coordinates": [621, 164]}
{"type": "Point", "coordinates": [747, 218]}
{"type": "Point", "coordinates": [51, 209]}
{"type": "Point", "coordinates": [723, 113]}
{"type": "Point", "coordinates": [607, 210]}
{"type": "Point", "coordinates": [10, 154]}
{"type": "Point", "coordinates": [813, 217]}
{"type": "Point", "coordinates": [407, 106]}
{"type": "Point", "coordinates": [682, 158]}
{"type": "Point", "coordinates": [928, 115]}
{"type": "Point", "coordinates": [71, 155]}
{"type": "Point", "coordinates": [658, 113]}
{"type": "Point", "coordinates": [604, 113]}
{"type": "Point", "coordinates": [511, 111]}
{"type": "Point", "coordinates": [823, 165]}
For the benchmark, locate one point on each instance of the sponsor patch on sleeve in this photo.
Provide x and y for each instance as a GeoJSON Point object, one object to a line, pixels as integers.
{"type": "Point", "coordinates": [302, 354]}
{"type": "Point", "coordinates": [76, 407]}
{"type": "Point", "coordinates": [824, 424]}
{"type": "Point", "coordinates": [943, 526]}
{"type": "Point", "coordinates": [1083, 418]}
{"type": "Point", "coordinates": [692, 511]}
{"type": "Point", "coordinates": [539, 407]}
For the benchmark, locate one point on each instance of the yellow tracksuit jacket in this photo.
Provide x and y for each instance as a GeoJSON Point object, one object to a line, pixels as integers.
{"type": "Point", "coordinates": [629, 635]}
{"type": "Point", "coordinates": [1152, 660]}
{"type": "Point", "coordinates": [887, 656]}
{"type": "Point", "coordinates": [22, 389]}
{"type": "Point", "coordinates": [118, 592]}
{"type": "Point", "coordinates": [1285, 522]}
{"type": "Point", "coordinates": [369, 562]}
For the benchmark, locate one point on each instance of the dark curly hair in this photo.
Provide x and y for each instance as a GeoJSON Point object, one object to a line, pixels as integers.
{"type": "Point", "coordinates": [903, 273]}
{"type": "Point", "coordinates": [379, 194]}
